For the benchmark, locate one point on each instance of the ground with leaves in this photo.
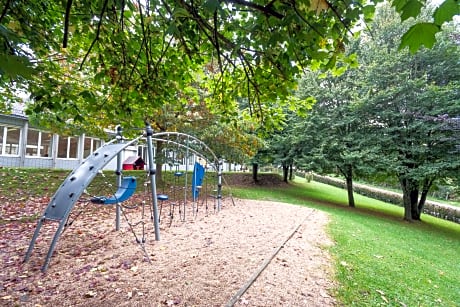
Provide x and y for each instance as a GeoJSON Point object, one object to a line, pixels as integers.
{"type": "Point", "coordinates": [202, 261]}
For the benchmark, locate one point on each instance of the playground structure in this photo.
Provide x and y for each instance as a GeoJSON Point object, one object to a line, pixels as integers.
{"type": "Point", "coordinates": [74, 186]}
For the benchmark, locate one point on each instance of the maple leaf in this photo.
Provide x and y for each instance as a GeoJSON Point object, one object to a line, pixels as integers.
{"type": "Point", "coordinates": [418, 35]}
{"type": "Point", "coordinates": [446, 11]}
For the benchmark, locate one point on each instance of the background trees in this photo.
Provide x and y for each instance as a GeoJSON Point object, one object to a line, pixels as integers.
{"type": "Point", "coordinates": [393, 115]}
{"type": "Point", "coordinates": [332, 137]}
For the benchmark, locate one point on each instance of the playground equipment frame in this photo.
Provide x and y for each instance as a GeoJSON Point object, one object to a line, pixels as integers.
{"type": "Point", "coordinates": [63, 201]}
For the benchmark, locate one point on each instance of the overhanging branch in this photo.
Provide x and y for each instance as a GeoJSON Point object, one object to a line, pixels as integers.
{"type": "Point", "coordinates": [267, 10]}
{"type": "Point", "coordinates": [66, 23]}
{"type": "Point", "coordinates": [98, 31]}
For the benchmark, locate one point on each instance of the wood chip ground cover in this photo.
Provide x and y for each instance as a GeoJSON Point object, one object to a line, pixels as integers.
{"type": "Point", "coordinates": [202, 261]}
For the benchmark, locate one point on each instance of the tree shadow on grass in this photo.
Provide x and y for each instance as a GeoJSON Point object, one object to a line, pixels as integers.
{"type": "Point", "coordinates": [299, 194]}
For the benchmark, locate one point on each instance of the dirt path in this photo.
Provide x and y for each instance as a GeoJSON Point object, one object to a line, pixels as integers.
{"type": "Point", "coordinates": [203, 261]}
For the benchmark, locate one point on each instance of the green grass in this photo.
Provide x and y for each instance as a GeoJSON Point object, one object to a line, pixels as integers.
{"type": "Point", "coordinates": [380, 259]}
{"type": "Point", "coordinates": [22, 183]}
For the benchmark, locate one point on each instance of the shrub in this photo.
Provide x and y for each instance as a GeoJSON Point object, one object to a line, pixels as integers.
{"type": "Point", "coordinates": [446, 212]}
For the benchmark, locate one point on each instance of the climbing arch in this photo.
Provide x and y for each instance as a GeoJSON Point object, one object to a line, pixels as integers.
{"type": "Point", "coordinates": [72, 188]}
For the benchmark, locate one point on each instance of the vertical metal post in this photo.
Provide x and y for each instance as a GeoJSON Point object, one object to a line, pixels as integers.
{"type": "Point", "coordinates": [156, 220]}
{"type": "Point", "coordinates": [219, 185]}
{"type": "Point", "coordinates": [118, 173]}
{"type": "Point", "coordinates": [186, 173]}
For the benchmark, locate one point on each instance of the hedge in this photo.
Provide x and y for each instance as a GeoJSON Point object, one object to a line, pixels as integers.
{"type": "Point", "coordinates": [443, 211]}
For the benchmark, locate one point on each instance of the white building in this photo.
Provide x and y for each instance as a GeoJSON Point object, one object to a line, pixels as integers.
{"type": "Point", "coordinates": [22, 145]}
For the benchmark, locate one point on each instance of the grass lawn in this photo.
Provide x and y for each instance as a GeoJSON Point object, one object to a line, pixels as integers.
{"type": "Point", "coordinates": [381, 260]}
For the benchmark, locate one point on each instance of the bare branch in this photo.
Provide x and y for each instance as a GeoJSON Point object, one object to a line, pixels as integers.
{"type": "Point", "coordinates": [216, 39]}
{"type": "Point", "coordinates": [305, 20]}
{"type": "Point", "coordinates": [267, 10]}
{"type": "Point", "coordinates": [339, 17]}
{"type": "Point", "coordinates": [66, 23]}
{"type": "Point", "coordinates": [101, 16]}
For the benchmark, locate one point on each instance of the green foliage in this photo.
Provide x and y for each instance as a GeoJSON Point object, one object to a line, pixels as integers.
{"type": "Point", "coordinates": [408, 97]}
{"type": "Point", "coordinates": [390, 115]}
{"type": "Point", "coordinates": [446, 11]}
{"type": "Point", "coordinates": [407, 8]}
{"type": "Point", "coordinates": [105, 62]}
{"type": "Point", "coordinates": [426, 31]}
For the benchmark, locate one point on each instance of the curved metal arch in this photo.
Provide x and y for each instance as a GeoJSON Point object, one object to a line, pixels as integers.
{"type": "Point", "coordinates": [190, 149]}
{"type": "Point", "coordinates": [217, 162]}
{"type": "Point", "coordinates": [188, 136]}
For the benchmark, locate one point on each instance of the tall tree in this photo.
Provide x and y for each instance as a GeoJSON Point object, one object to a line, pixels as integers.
{"type": "Point", "coordinates": [331, 137]}
{"type": "Point", "coordinates": [394, 114]}
{"type": "Point", "coordinates": [409, 103]}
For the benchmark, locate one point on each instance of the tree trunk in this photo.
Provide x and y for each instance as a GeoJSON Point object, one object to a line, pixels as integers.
{"type": "Point", "coordinates": [291, 172]}
{"type": "Point", "coordinates": [349, 180]}
{"type": "Point", "coordinates": [347, 172]}
{"type": "Point", "coordinates": [414, 202]}
{"type": "Point", "coordinates": [159, 159]}
{"type": "Point", "coordinates": [406, 202]}
{"type": "Point", "coordinates": [426, 188]}
{"type": "Point", "coordinates": [255, 168]}
{"type": "Point", "coordinates": [285, 172]}
{"type": "Point", "coordinates": [410, 195]}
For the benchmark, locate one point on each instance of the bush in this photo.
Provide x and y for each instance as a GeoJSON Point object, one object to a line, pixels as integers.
{"type": "Point", "coordinates": [446, 212]}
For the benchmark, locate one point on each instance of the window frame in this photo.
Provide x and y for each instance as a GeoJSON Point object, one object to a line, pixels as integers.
{"type": "Point", "coordinates": [4, 129]}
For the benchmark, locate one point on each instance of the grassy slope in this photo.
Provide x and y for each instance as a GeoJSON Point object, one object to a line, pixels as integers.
{"type": "Point", "coordinates": [380, 259]}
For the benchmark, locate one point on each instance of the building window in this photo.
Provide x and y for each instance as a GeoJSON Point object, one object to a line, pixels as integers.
{"type": "Point", "coordinates": [9, 140]}
{"type": "Point", "coordinates": [46, 145]}
{"type": "Point", "coordinates": [39, 143]}
{"type": "Point", "coordinates": [33, 139]}
{"type": "Point", "coordinates": [90, 146]}
{"type": "Point", "coordinates": [68, 147]}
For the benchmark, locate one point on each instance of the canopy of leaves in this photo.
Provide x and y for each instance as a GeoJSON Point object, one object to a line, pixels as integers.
{"type": "Point", "coordinates": [108, 61]}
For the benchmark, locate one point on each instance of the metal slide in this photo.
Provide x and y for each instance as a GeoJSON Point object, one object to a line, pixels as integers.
{"type": "Point", "coordinates": [70, 191]}
{"type": "Point", "coordinates": [125, 191]}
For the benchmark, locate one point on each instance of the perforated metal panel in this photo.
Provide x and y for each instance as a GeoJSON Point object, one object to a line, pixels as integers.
{"type": "Point", "coordinates": [73, 186]}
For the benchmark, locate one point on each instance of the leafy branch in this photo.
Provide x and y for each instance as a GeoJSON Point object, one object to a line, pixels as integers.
{"type": "Point", "coordinates": [98, 31]}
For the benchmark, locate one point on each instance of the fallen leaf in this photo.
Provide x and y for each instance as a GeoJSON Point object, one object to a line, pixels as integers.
{"type": "Point", "coordinates": [244, 301]}
{"type": "Point", "coordinates": [173, 302]}
{"type": "Point", "coordinates": [384, 298]}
